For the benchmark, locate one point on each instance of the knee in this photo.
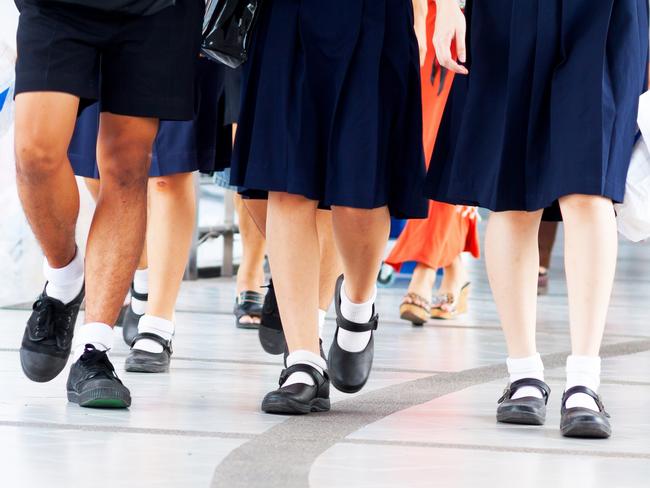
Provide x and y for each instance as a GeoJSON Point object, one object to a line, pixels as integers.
{"type": "Point", "coordinates": [124, 163]}
{"type": "Point", "coordinates": [295, 202]}
{"type": "Point", "coordinates": [584, 205]}
{"type": "Point", "coordinates": [38, 160]}
{"type": "Point", "coordinates": [171, 185]}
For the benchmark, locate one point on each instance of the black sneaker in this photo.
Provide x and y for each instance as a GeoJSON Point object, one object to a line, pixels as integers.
{"type": "Point", "coordinates": [270, 330]}
{"type": "Point", "coordinates": [93, 382]}
{"type": "Point", "coordinates": [48, 336]}
{"type": "Point", "coordinates": [131, 319]}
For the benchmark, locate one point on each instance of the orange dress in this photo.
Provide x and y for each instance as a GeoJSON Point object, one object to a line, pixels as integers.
{"type": "Point", "coordinates": [439, 239]}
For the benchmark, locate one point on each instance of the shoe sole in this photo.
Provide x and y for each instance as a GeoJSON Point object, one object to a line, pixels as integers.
{"type": "Point", "coordinates": [101, 398]}
{"type": "Point", "coordinates": [246, 326]}
{"type": "Point", "coordinates": [586, 430]}
{"type": "Point", "coordinates": [57, 367]}
{"type": "Point", "coordinates": [272, 340]}
{"type": "Point", "coordinates": [413, 314]}
{"type": "Point", "coordinates": [516, 416]}
{"type": "Point", "coordinates": [146, 368]}
{"type": "Point", "coordinates": [291, 407]}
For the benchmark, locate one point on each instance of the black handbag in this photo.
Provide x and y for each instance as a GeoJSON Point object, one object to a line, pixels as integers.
{"type": "Point", "coordinates": [227, 30]}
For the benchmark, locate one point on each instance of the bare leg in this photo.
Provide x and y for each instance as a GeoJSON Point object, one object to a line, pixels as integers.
{"type": "Point", "coordinates": [512, 263]}
{"type": "Point", "coordinates": [257, 209]}
{"type": "Point", "coordinates": [547, 234]}
{"type": "Point", "coordinates": [590, 259]}
{"type": "Point", "coordinates": [250, 275]}
{"type": "Point", "coordinates": [123, 150]}
{"type": "Point", "coordinates": [169, 234]}
{"type": "Point", "coordinates": [422, 281]}
{"type": "Point", "coordinates": [454, 278]}
{"type": "Point", "coordinates": [46, 185]}
{"type": "Point", "coordinates": [361, 236]}
{"type": "Point", "coordinates": [295, 267]}
{"type": "Point", "coordinates": [330, 263]}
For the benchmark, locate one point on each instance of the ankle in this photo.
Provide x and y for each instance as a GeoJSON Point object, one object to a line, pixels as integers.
{"type": "Point", "coordinates": [96, 333]}
{"type": "Point", "coordinates": [526, 367]}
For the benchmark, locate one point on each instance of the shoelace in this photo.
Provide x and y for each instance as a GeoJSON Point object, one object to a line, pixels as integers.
{"type": "Point", "coordinates": [97, 363]}
{"type": "Point", "coordinates": [52, 321]}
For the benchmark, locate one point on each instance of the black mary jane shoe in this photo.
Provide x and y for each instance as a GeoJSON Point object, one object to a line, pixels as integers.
{"type": "Point", "coordinates": [526, 410]}
{"type": "Point", "coordinates": [584, 422]}
{"type": "Point", "coordinates": [349, 371]}
{"type": "Point", "coordinates": [130, 319]}
{"type": "Point", "coordinates": [270, 333]}
{"type": "Point", "coordinates": [139, 361]}
{"type": "Point", "coordinates": [248, 304]}
{"type": "Point", "coordinates": [299, 398]}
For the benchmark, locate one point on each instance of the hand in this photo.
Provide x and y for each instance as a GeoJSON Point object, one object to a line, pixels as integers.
{"type": "Point", "coordinates": [450, 29]}
{"type": "Point", "coordinates": [420, 8]}
{"type": "Point", "coordinates": [468, 212]}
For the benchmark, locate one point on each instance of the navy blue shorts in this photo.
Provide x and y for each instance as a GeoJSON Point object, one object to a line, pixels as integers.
{"type": "Point", "coordinates": [203, 143]}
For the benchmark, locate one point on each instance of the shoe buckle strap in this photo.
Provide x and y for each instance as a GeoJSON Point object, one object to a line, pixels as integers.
{"type": "Point", "coordinates": [345, 324]}
{"type": "Point", "coordinates": [154, 337]}
{"type": "Point", "coordinates": [303, 368]}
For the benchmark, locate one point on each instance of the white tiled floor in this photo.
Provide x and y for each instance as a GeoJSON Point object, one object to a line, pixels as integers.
{"type": "Point", "coordinates": [200, 424]}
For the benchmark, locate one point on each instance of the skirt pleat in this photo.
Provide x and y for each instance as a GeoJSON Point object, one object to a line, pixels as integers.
{"type": "Point", "coordinates": [331, 108]}
{"type": "Point", "coordinates": [549, 107]}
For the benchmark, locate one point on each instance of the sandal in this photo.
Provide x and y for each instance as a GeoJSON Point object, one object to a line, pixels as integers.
{"type": "Point", "coordinates": [415, 309]}
{"type": "Point", "coordinates": [584, 422]}
{"type": "Point", "coordinates": [447, 306]}
{"type": "Point", "coordinates": [528, 410]}
{"type": "Point", "coordinates": [248, 304]}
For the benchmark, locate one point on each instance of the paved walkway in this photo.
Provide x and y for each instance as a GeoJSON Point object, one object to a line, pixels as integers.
{"type": "Point", "coordinates": [426, 417]}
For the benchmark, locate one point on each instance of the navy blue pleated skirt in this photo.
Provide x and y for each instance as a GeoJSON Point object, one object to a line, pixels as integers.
{"type": "Point", "coordinates": [331, 105]}
{"type": "Point", "coordinates": [549, 107]}
{"type": "Point", "coordinates": [203, 144]}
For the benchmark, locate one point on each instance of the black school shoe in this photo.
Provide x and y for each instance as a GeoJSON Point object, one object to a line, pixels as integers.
{"type": "Point", "coordinates": [139, 361]}
{"type": "Point", "coordinates": [93, 382]}
{"type": "Point", "coordinates": [131, 319]}
{"type": "Point", "coordinates": [527, 410]}
{"type": "Point", "coordinates": [47, 340]}
{"type": "Point", "coordinates": [299, 398]}
{"type": "Point", "coordinates": [270, 329]}
{"type": "Point", "coordinates": [584, 422]}
{"type": "Point", "coordinates": [349, 371]}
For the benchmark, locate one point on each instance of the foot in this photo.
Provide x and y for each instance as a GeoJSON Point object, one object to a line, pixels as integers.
{"type": "Point", "coordinates": [320, 346]}
{"type": "Point", "coordinates": [349, 371]}
{"type": "Point", "coordinates": [131, 318]}
{"type": "Point", "coordinates": [299, 398]}
{"type": "Point", "coordinates": [248, 309]}
{"type": "Point", "coordinates": [528, 410]}
{"type": "Point", "coordinates": [415, 309]}
{"type": "Point", "coordinates": [93, 382]}
{"type": "Point", "coordinates": [448, 306]}
{"type": "Point", "coordinates": [584, 422]}
{"type": "Point", "coordinates": [542, 281]}
{"type": "Point", "coordinates": [47, 340]}
{"type": "Point", "coordinates": [139, 361]}
{"type": "Point", "coordinates": [270, 332]}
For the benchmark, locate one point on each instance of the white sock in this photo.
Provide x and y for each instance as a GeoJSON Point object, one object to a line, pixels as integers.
{"type": "Point", "coordinates": [582, 371]}
{"type": "Point", "coordinates": [359, 313]}
{"type": "Point", "coordinates": [321, 322]}
{"type": "Point", "coordinates": [65, 283]}
{"type": "Point", "coordinates": [154, 325]}
{"type": "Point", "coordinates": [140, 285]}
{"type": "Point", "coordinates": [529, 367]}
{"type": "Point", "coordinates": [304, 357]}
{"type": "Point", "coordinates": [95, 333]}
